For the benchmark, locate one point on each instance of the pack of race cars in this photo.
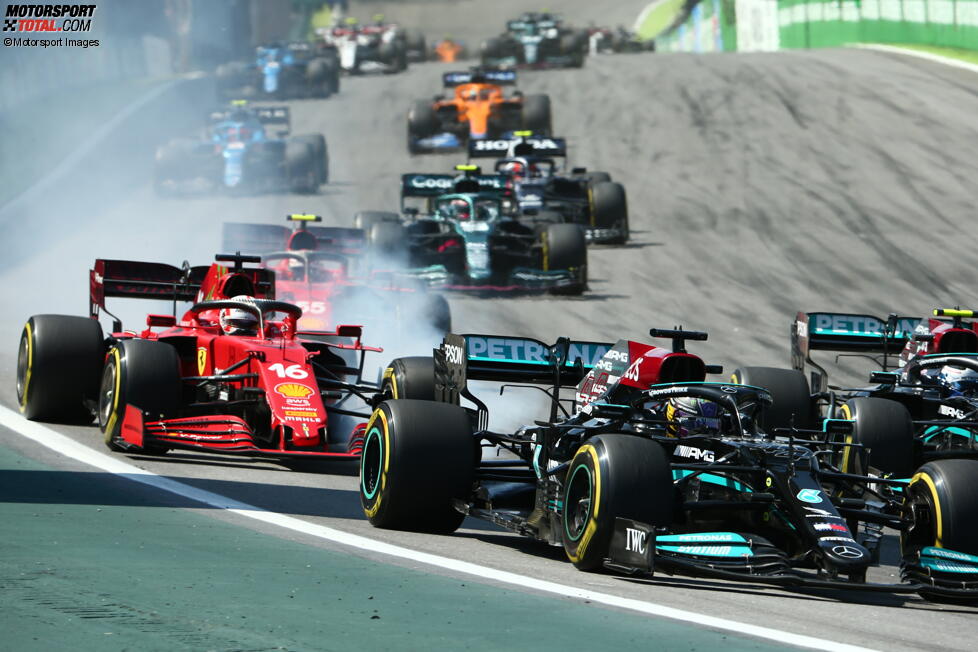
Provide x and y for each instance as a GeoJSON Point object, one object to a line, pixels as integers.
{"type": "Point", "coordinates": [642, 464]}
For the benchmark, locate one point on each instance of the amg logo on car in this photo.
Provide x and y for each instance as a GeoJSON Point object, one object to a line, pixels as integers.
{"type": "Point", "coordinates": [949, 411]}
{"type": "Point", "coordinates": [635, 540]}
{"type": "Point", "coordinates": [694, 453]}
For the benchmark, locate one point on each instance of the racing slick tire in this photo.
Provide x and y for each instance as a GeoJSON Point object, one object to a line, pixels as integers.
{"type": "Point", "coordinates": [394, 55]}
{"type": "Point", "coordinates": [418, 457]}
{"type": "Point", "coordinates": [613, 476]}
{"type": "Point", "coordinates": [143, 374]}
{"type": "Point", "coordinates": [596, 177]}
{"type": "Point", "coordinates": [438, 314]}
{"type": "Point", "coordinates": [320, 155]}
{"type": "Point", "coordinates": [300, 166]}
{"type": "Point", "coordinates": [609, 209]}
{"type": "Point", "coordinates": [536, 114]}
{"type": "Point", "coordinates": [565, 247]}
{"type": "Point", "coordinates": [59, 359]}
{"type": "Point", "coordinates": [386, 238]}
{"type": "Point", "coordinates": [320, 75]}
{"type": "Point", "coordinates": [366, 219]}
{"type": "Point", "coordinates": [885, 428]}
{"type": "Point", "coordinates": [789, 390]}
{"type": "Point", "coordinates": [176, 161]}
{"type": "Point", "coordinates": [417, 43]}
{"type": "Point", "coordinates": [422, 122]}
{"type": "Point", "coordinates": [411, 378]}
{"type": "Point", "coordinates": [942, 501]}
{"type": "Point", "coordinates": [491, 49]}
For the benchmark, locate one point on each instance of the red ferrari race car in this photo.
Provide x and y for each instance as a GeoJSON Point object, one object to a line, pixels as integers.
{"type": "Point", "coordinates": [325, 270]}
{"type": "Point", "coordinates": [232, 375]}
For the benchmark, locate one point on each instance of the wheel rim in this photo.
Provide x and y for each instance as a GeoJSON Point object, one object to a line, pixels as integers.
{"type": "Point", "coordinates": [23, 367]}
{"type": "Point", "coordinates": [106, 394]}
{"type": "Point", "coordinates": [371, 461]}
{"type": "Point", "coordinates": [923, 531]}
{"type": "Point", "coordinates": [577, 503]}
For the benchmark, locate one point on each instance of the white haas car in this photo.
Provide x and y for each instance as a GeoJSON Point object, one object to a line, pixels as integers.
{"type": "Point", "coordinates": [377, 48]}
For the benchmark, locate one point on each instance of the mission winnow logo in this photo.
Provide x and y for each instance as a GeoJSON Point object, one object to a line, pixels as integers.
{"type": "Point", "coordinates": [48, 18]}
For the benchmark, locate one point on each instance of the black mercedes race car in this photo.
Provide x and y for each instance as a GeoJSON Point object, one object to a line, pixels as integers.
{"type": "Point", "coordinates": [463, 237]}
{"type": "Point", "coordinates": [542, 186]}
{"type": "Point", "coordinates": [654, 469]}
{"type": "Point", "coordinates": [924, 409]}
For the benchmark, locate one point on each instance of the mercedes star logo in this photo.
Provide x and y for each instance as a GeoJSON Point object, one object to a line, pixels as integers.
{"type": "Point", "coordinates": [847, 552]}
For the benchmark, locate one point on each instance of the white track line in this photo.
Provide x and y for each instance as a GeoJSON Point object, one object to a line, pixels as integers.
{"type": "Point", "coordinates": [947, 61]}
{"type": "Point", "coordinates": [73, 450]}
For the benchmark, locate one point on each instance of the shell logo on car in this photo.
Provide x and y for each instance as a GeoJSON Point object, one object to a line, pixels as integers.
{"type": "Point", "coordinates": [293, 390]}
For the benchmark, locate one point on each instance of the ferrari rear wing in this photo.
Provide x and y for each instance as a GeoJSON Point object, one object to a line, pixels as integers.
{"type": "Point", "coordinates": [141, 280]}
{"type": "Point", "coordinates": [533, 146]}
{"type": "Point", "coordinates": [851, 333]}
{"type": "Point", "coordinates": [268, 238]}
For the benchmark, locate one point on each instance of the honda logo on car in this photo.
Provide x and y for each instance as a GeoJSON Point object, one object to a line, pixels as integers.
{"type": "Point", "coordinates": [635, 540]}
{"type": "Point", "coordinates": [504, 145]}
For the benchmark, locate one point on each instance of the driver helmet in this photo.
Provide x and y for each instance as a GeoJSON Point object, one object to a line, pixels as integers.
{"type": "Point", "coordinates": [692, 416]}
{"type": "Point", "coordinates": [513, 168]}
{"type": "Point", "coordinates": [460, 209]}
{"type": "Point", "coordinates": [238, 321]}
{"type": "Point", "coordinates": [959, 380]}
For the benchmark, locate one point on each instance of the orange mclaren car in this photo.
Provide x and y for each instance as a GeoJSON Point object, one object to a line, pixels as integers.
{"type": "Point", "coordinates": [478, 108]}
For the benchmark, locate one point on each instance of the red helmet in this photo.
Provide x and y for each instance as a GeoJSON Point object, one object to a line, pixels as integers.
{"type": "Point", "coordinates": [460, 209]}
{"type": "Point", "coordinates": [513, 168]}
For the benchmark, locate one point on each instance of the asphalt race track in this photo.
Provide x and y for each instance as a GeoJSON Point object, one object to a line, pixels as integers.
{"type": "Point", "coordinates": [758, 185]}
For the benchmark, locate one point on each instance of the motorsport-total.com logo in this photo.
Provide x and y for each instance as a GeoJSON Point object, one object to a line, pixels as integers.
{"type": "Point", "coordinates": [48, 18]}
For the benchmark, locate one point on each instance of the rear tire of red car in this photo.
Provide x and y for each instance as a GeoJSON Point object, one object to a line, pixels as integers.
{"type": "Point", "coordinates": [411, 378]}
{"type": "Point", "coordinates": [438, 314]}
{"type": "Point", "coordinates": [143, 374]}
{"type": "Point", "coordinates": [418, 458]}
{"type": "Point", "coordinates": [613, 476]}
{"type": "Point", "coordinates": [58, 364]}
{"type": "Point", "coordinates": [536, 114]}
{"type": "Point", "coordinates": [565, 248]}
{"type": "Point", "coordinates": [610, 209]}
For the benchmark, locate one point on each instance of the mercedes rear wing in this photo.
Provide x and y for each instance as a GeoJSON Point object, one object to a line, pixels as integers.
{"type": "Point", "coordinates": [461, 358]}
{"type": "Point", "coordinates": [847, 333]}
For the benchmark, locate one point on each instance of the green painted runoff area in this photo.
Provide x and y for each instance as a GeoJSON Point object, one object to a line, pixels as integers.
{"type": "Point", "coordinates": [659, 18]}
{"type": "Point", "coordinates": [92, 561]}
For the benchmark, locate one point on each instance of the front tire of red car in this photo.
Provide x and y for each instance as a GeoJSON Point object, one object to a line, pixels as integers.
{"type": "Point", "coordinates": [145, 375]}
